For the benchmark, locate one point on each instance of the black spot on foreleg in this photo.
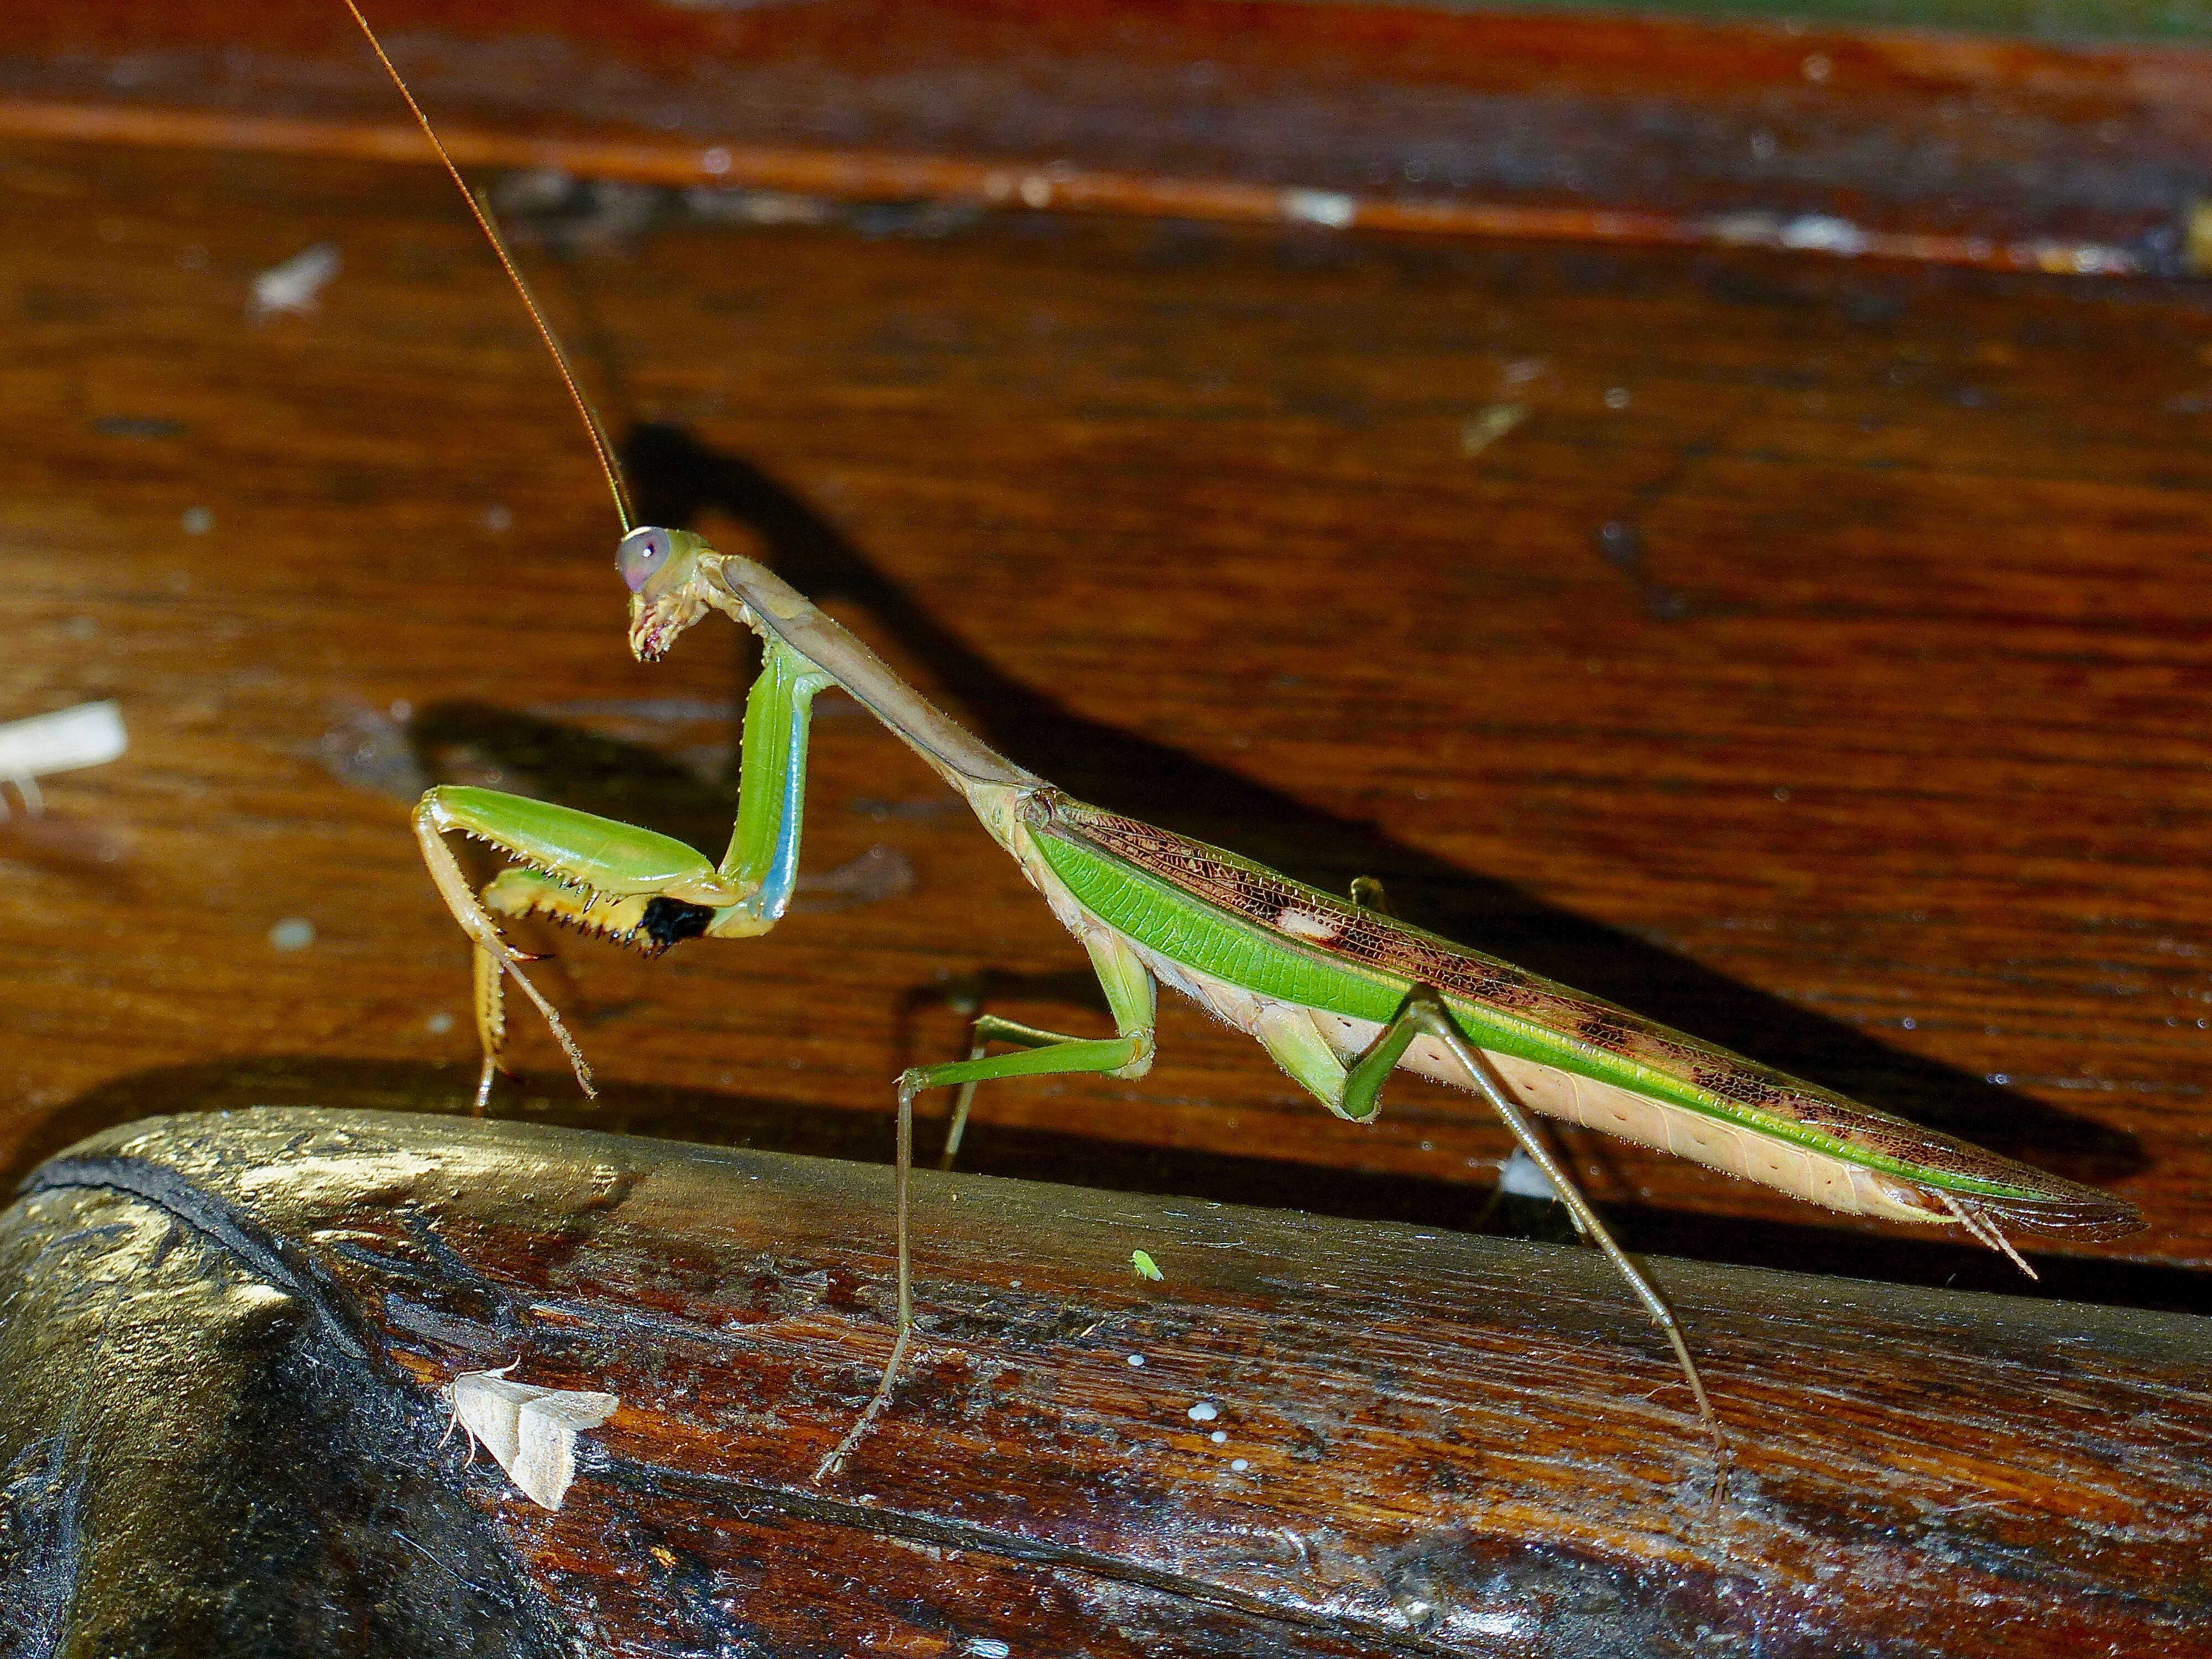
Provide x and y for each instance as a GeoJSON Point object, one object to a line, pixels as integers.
{"type": "Point", "coordinates": [669, 922]}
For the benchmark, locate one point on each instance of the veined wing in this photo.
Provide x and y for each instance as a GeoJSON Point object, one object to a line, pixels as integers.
{"type": "Point", "coordinates": [1296, 943]}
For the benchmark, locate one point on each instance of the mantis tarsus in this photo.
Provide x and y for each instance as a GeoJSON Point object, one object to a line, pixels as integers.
{"type": "Point", "coordinates": [1337, 990]}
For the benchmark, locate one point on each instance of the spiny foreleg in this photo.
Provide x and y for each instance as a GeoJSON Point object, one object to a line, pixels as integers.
{"type": "Point", "coordinates": [635, 886]}
{"type": "Point", "coordinates": [590, 871]}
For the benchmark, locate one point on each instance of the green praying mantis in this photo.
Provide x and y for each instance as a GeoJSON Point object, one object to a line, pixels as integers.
{"type": "Point", "coordinates": [1339, 992]}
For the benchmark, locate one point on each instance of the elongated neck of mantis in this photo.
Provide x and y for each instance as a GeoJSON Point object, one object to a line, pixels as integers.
{"type": "Point", "coordinates": [958, 756]}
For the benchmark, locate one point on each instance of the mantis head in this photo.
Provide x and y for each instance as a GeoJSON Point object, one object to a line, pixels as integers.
{"type": "Point", "coordinates": [667, 575]}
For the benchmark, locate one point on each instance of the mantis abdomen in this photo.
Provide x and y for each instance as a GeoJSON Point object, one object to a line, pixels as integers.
{"type": "Point", "coordinates": [1250, 943]}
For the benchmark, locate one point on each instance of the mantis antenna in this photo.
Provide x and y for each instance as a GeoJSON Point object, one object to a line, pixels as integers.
{"type": "Point", "coordinates": [600, 444]}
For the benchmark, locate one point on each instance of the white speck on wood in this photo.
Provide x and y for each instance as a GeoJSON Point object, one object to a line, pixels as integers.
{"type": "Point", "coordinates": [90, 734]}
{"type": "Point", "coordinates": [293, 285]}
{"type": "Point", "coordinates": [1318, 207]}
{"type": "Point", "coordinates": [1521, 1177]}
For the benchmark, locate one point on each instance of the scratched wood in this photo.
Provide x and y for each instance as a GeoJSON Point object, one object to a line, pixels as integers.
{"type": "Point", "coordinates": [1078, 1462]}
{"type": "Point", "coordinates": [1819, 664]}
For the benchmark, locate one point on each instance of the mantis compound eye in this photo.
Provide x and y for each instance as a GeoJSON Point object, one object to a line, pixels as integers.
{"type": "Point", "coordinates": [643, 552]}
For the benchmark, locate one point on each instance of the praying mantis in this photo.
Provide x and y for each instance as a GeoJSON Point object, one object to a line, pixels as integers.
{"type": "Point", "coordinates": [1339, 992]}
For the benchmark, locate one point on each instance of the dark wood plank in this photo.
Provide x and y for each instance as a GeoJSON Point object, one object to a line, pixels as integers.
{"type": "Point", "coordinates": [1924, 145]}
{"type": "Point", "coordinates": [1419, 1443]}
{"type": "Point", "coordinates": [1838, 696]}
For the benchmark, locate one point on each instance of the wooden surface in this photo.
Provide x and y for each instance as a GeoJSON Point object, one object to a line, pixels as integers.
{"type": "Point", "coordinates": [1499, 1464]}
{"type": "Point", "coordinates": [1837, 695]}
{"type": "Point", "coordinates": [1910, 143]}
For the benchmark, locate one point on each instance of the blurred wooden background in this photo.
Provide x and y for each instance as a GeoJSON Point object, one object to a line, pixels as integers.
{"type": "Point", "coordinates": [1808, 651]}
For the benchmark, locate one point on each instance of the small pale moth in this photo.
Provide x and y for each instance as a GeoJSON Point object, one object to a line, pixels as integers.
{"type": "Point", "coordinates": [530, 1433]}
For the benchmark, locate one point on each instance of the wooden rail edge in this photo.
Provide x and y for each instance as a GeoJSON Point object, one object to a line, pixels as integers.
{"type": "Point", "coordinates": [862, 176]}
{"type": "Point", "coordinates": [2084, 159]}
{"type": "Point", "coordinates": [224, 1333]}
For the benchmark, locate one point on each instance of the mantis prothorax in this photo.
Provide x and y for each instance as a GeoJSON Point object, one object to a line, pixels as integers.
{"type": "Point", "coordinates": [1338, 992]}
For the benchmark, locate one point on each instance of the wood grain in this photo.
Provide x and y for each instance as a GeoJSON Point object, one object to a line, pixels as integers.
{"type": "Point", "coordinates": [1899, 142]}
{"type": "Point", "coordinates": [1818, 666]}
{"type": "Point", "coordinates": [1495, 1464]}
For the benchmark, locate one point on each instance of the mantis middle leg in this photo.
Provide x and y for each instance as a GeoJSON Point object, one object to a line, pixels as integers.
{"type": "Point", "coordinates": [1133, 998]}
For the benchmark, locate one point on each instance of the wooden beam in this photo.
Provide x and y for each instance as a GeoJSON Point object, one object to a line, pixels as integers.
{"type": "Point", "coordinates": [2079, 157]}
{"type": "Point", "coordinates": [1310, 1437]}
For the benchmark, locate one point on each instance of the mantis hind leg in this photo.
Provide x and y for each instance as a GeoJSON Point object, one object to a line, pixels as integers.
{"type": "Point", "coordinates": [1353, 1091]}
{"type": "Point", "coordinates": [1131, 994]}
{"type": "Point", "coordinates": [1426, 1011]}
{"type": "Point", "coordinates": [956, 1125]}
{"type": "Point", "coordinates": [988, 1029]}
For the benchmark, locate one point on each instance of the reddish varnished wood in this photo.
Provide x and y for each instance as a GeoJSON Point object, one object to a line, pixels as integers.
{"type": "Point", "coordinates": [1342, 1438]}
{"type": "Point", "coordinates": [1902, 143]}
{"type": "Point", "coordinates": [1181, 518]}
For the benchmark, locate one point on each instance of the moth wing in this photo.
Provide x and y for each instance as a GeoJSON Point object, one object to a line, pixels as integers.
{"type": "Point", "coordinates": [489, 1406]}
{"type": "Point", "coordinates": [546, 1426]}
{"type": "Point", "coordinates": [576, 1407]}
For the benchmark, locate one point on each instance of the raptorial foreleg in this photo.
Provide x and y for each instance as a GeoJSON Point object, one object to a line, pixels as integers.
{"type": "Point", "coordinates": [634, 886]}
